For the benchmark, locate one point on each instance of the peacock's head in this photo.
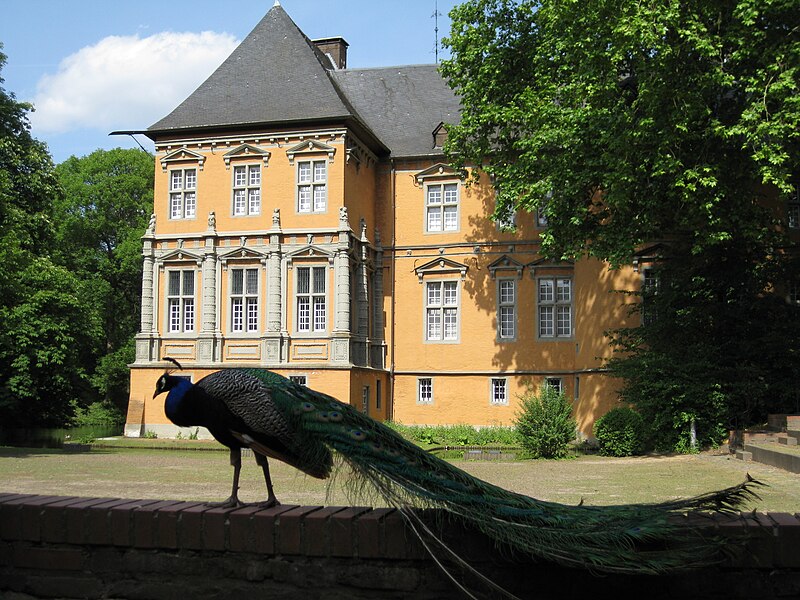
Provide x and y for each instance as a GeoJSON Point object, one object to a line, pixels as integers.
{"type": "Point", "coordinates": [167, 381]}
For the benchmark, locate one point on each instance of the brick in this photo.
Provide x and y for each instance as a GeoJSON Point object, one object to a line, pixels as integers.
{"type": "Point", "coordinates": [215, 525]}
{"type": "Point", "coordinates": [167, 523]}
{"type": "Point", "coordinates": [54, 520]}
{"type": "Point", "coordinates": [316, 531]}
{"type": "Point", "coordinates": [145, 527]}
{"type": "Point", "coordinates": [290, 529]}
{"type": "Point", "coordinates": [75, 519]}
{"type": "Point", "coordinates": [369, 533]}
{"type": "Point", "coordinates": [240, 529]}
{"type": "Point", "coordinates": [787, 542]}
{"type": "Point", "coordinates": [47, 558]}
{"type": "Point", "coordinates": [190, 527]}
{"type": "Point", "coordinates": [31, 514]}
{"type": "Point", "coordinates": [10, 511]}
{"type": "Point", "coordinates": [120, 521]}
{"type": "Point", "coordinates": [98, 522]}
{"type": "Point", "coordinates": [264, 526]}
{"type": "Point", "coordinates": [342, 528]}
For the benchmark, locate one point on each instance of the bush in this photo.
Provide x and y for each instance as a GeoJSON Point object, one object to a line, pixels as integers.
{"type": "Point", "coordinates": [98, 414]}
{"type": "Point", "coordinates": [620, 432]}
{"type": "Point", "coordinates": [545, 424]}
{"type": "Point", "coordinates": [456, 435]}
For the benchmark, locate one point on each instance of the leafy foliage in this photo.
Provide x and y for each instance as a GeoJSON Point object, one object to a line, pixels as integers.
{"type": "Point", "coordinates": [545, 424]}
{"type": "Point", "coordinates": [456, 435]}
{"type": "Point", "coordinates": [627, 121]}
{"type": "Point", "coordinates": [98, 414]}
{"type": "Point", "coordinates": [631, 123]}
{"type": "Point", "coordinates": [620, 432]}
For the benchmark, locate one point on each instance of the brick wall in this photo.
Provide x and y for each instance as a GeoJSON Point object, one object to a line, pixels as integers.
{"type": "Point", "coordinates": [70, 548]}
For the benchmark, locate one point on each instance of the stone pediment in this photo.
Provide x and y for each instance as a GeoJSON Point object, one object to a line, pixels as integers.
{"type": "Point", "coordinates": [180, 254]}
{"type": "Point", "coordinates": [555, 267]}
{"type": "Point", "coordinates": [506, 264]}
{"type": "Point", "coordinates": [310, 147]}
{"type": "Point", "coordinates": [241, 253]}
{"type": "Point", "coordinates": [441, 266]}
{"type": "Point", "coordinates": [310, 252]}
{"type": "Point", "coordinates": [182, 155]}
{"type": "Point", "coordinates": [245, 152]}
{"type": "Point", "coordinates": [438, 171]}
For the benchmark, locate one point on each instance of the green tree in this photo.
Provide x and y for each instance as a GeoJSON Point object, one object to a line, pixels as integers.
{"type": "Point", "coordinates": [108, 197]}
{"type": "Point", "coordinates": [629, 121]}
{"type": "Point", "coordinates": [632, 122]}
{"type": "Point", "coordinates": [47, 337]}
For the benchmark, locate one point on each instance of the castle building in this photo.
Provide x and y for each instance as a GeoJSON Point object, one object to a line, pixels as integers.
{"type": "Point", "coordinates": [306, 221]}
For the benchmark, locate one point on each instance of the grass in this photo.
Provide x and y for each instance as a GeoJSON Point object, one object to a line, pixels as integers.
{"type": "Point", "coordinates": [178, 471]}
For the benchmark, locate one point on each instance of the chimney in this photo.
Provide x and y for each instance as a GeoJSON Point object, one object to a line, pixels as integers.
{"type": "Point", "coordinates": [335, 48]}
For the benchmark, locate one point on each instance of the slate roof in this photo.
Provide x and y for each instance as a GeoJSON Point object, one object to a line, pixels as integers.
{"type": "Point", "coordinates": [401, 105]}
{"type": "Point", "coordinates": [278, 76]}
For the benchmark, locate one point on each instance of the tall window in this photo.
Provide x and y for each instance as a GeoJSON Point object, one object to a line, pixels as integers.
{"type": "Point", "coordinates": [182, 193]}
{"type": "Point", "coordinates": [555, 307]}
{"type": "Point", "coordinates": [441, 311]}
{"type": "Point", "coordinates": [441, 206]}
{"type": "Point", "coordinates": [506, 309]}
{"type": "Point", "coordinates": [425, 390]}
{"type": "Point", "coordinates": [650, 286]}
{"type": "Point", "coordinates": [180, 301]}
{"type": "Point", "coordinates": [499, 391]}
{"type": "Point", "coordinates": [794, 215]}
{"type": "Point", "coordinates": [244, 300]}
{"type": "Point", "coordinates": [311, 313]}
{"type": "Point", "coordinates": [247, 190]}
{"type": "Point", "coordinates": [312, 186]}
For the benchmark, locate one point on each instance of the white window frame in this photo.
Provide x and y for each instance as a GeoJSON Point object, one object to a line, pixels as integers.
{"type": "Point", "coordinates": [554, 307]}
{"type": "Point", "coordinates": [442, 317]}
{"type": "Point", "coordinates": [442, 206]}
{"type": "Point", "coordinates": [182, 197]}
{"type": "Point", "coordinates": [314, 183]}
{"type": "Point", "coordinates": [246, 186]}
{"type": "Point", "coordinates": [313, 320]}
{"type": "Point", "coordinates": [244, 303]}
{"type": "Point", "coordinates": [498, 391]}
{"type": "Point", "coordinates": [793, 295]}
{"type": "Point", "coordinates": [425, 390]}
{"type": "Point", "coordinates": [556, 383]}
{"type": "Point", "coordinates": [506, 307]}
{"type": "Point", "coordinates": [299, 379]}
{"type": "Point", "coordinates": [793, 215]}
{"type": "Point", "coordinates": [181, 313]}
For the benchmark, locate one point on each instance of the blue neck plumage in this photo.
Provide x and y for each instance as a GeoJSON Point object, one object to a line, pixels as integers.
{"type": "Point", "coordinates": [173, 404]}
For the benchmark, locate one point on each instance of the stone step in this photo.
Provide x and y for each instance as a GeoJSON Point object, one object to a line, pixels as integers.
{"type": "Point", "coordinates": [762, 453]}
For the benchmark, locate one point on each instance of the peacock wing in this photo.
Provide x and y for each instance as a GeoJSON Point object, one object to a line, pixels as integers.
{"type": "Point", "coordinates": [262, 423]}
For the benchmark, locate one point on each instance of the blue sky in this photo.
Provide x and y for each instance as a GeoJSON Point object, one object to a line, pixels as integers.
{"type": "Point", "coordinates": [94, 66]}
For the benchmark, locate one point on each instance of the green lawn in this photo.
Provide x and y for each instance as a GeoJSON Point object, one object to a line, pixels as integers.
{"type": "Point", "coordinates": [197, 475]}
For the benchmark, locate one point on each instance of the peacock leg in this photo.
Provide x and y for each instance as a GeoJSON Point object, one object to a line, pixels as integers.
{"type": "Point", "coordinates": [233, 499]}
{"type": "Point", "coordinates": [264, 464]}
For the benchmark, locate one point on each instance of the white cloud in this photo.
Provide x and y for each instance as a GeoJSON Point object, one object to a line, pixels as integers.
{"type": "Point", "coordinates": [127, 82]}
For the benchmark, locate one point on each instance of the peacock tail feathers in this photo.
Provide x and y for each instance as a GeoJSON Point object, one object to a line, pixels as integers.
{"type": "Point", "coordinates": [636, 538]}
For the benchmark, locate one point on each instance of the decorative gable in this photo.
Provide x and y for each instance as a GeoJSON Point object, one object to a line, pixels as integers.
{"type": "Point", "coordinates": [310, 147]}
{"type": "Point", "coordinates": [241, 254]}
{"type": "Point", "coordinates": [246, 151]}
{"type": "Point", "coordinates": [438, 171]}
{"type": "Point", "coordinates": [311, 251]}
{"type": "Point", "coordinates": [180, 254]}
{"type": "Point", "coordinates": [505, 265]}
{"type": "Point", "coordinates": [182, 155]}
{"type": "Point", "coordinates": [565, 267]}
{"type": "Point", "coordinates": [439, 135]}
{"type": "Point", "coordinates": [441, 266]}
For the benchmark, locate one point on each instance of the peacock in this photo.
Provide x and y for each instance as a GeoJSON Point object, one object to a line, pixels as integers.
{"type": "Point", "coordinates": [278, 418]}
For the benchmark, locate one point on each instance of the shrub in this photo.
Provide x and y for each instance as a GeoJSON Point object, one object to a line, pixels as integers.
{"type": "Point", "coordinates": [98, 414]}
{"type": "Point", "coordinates": [545, 424]}
{"type": "Point", "coordinates": [620, 432]}
{"type": "Point", "coordinates": [456, 435]}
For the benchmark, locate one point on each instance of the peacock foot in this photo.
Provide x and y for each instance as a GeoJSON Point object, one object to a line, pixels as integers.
{"type": "Point", "coordinates": [230, 502]}
{"type": "Point", "coordinates": [269, 503]}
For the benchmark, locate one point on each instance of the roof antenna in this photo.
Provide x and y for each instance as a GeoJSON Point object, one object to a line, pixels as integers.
{"type": "Point", "coordinates": [436, 14]}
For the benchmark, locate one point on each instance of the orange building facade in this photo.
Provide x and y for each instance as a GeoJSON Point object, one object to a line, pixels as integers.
{"type": "Point", "coordinates": [306, 221]}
